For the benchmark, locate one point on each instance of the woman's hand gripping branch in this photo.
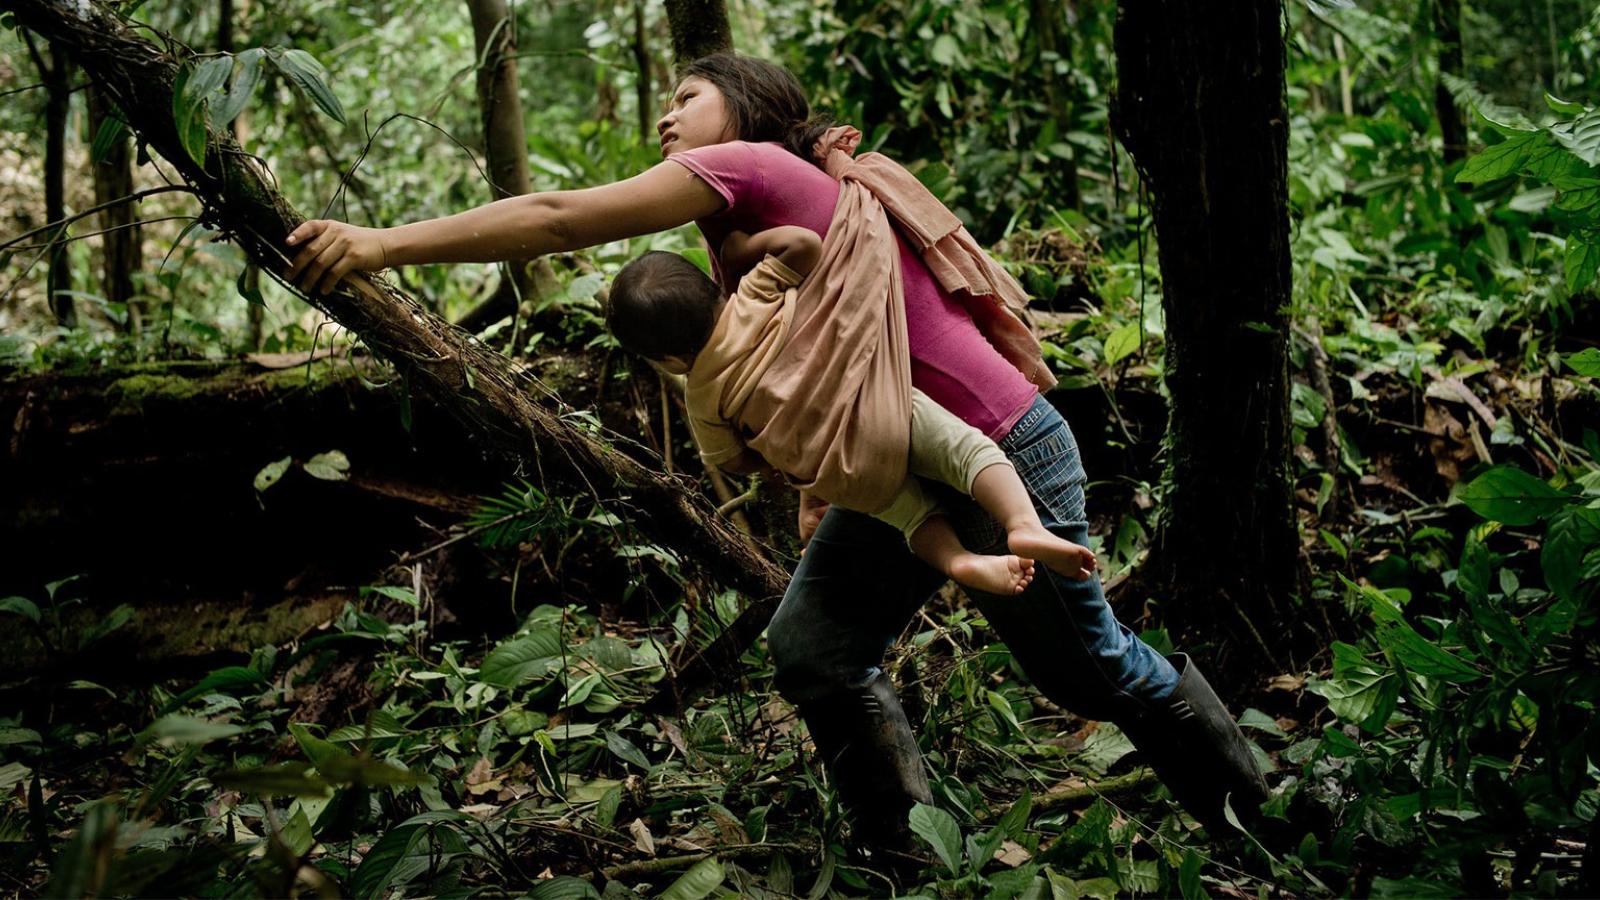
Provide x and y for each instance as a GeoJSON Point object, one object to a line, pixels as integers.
{"type": "Point", "coordinates": [329, 250]}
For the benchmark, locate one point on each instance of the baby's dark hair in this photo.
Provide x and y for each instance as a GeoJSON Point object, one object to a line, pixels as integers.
{"type": "Point", "coordinates": [662, 305]}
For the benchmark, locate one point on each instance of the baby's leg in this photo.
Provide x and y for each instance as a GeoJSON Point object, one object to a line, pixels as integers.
{"type": "Point", "coordinates": [936, 544]}
{"type": "Point", "coordinates": [947, 449]}
{"type": "Point", "coordinates": [1002, 495]}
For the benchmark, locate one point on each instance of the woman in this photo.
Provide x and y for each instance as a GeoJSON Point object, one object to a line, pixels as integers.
{"type": "Point", "coordinates": [737, 145]}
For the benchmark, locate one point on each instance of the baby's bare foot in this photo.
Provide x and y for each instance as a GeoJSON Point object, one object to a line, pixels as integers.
{"type": "Point", "coordinates": [1072, 560]}
{"type": "Point", "coordinates": [1002, 575]}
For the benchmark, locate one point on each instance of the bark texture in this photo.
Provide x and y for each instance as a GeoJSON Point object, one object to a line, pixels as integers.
{"type": "Point", "coordinates": [699, 28]}
{"type": "Point", "coordinates": [113, 179]}
{"type": "Point", "coordinates": [642, 85]}
{"type": "Point", "coordinates": [508, 413]}
{"type": "Point", "coordinates": [505, 145]}
{"type": "Point", "coordinates": [53, 71]}
{"type": "Point", "coordinates": [1200, 107]}
{"type": "Point", "coordinates": [1447, 31]}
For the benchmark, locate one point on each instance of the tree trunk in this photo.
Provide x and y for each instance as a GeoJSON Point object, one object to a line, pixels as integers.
{"type": "Point", "coordinates": [1200, 107]}
{"type": "Point", "coordinates": [506, 412]}
{"type": "Point", "coordinates": [121, 242]}
{"type": "Point", "coordinates": [54, 72]}
{"type": "Point", "coordinates": [1447, 31]}
{"type": "Point", "coordinates": [505, 144]}
{"type": "Point", "coordinates": [642, 83]}
{"type": "Point", "coordinates": [699, 28]}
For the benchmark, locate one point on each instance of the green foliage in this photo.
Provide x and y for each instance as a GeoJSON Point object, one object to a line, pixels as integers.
{"type": "Point", "coordinates": [1563, 155]}
{"type": "Point", "coordinates": [1480, 716]}
{"type": "Point", "coordinates": [1464, 700]}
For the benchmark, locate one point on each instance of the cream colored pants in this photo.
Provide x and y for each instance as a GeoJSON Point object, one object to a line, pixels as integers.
{"type": "Point", "coordinates": [944, 449]}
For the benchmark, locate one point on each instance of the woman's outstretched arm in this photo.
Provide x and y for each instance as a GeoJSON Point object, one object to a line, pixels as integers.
{"type": "Point", "coordinates": [665, 196]}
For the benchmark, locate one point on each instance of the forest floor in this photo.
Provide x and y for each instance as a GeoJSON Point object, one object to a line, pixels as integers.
{"type": "Point", "coordinates": [301, 648]}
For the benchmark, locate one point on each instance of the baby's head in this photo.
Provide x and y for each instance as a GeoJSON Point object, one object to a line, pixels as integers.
{"type": "Point", "coordinates": [662, 306]}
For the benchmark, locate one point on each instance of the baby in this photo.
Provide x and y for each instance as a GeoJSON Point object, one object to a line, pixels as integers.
{"type": "Point", "coordinates": [665, 309]}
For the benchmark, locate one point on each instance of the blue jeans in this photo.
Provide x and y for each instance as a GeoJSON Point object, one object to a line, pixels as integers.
{"type": "Point", "coordinates": [857, 586]}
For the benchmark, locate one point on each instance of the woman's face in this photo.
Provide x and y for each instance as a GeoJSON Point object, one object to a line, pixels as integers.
{"type": "Point", "coordinates": [697, 117]}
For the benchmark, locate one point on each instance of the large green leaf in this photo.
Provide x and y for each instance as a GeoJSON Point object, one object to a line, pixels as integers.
{"type": "Point", "coordinates": [522, 659]}
{"type": "Point", "coordinates": [1581, 260]}
{"type": "Point", "coordinates": [246, 75]}
{"type": "Point", "coordinates": [304, 70]}
{"type": "Point", "coordinates": [1581, 136]}
{"type": "Point", "coordinates": [1121, 342]}
{"type": "Point", "coordinates": [563, 887]}
{"type": "Point", "coordinates": [1189, 884]}
{"type": "Point", "coordinates": [625, 750]}
{"type": "Point", "coordinates": [1412, 650]}
{"type": "Point", "coordinates": [207, 78]}
{"type": "Point", "coordinates": [1472, 576]}
{"type": "Point", "coordinates": [1572, 534]}
{"type": "Point", "coordinates": [399, 856]}
{"type": "Point", "coordinates": [1585, 363]}
{"type": "Point", "coordinates": [425, 843]}
{"type": "Point", "coordinates": [190, 93]}
{"type": "Point", "coordinates": [21, 606]}
{"type": "Point", "coordinates": [1500, 160]}
{"type": "Point", "coordinates": [940, 830]}
{"type": "Point", "coordinates": [1359, 691]}
{"type": "Point", "coordinates": [1015, 821]}
{"type": "Point", "coordinates": [702, 878]}
{"type": "Point", "coordinates": [227, 680]}
{"type": "Point", "coordinates": [342, 767]}
{"type": "Point", "coordinates": [1510, 495]}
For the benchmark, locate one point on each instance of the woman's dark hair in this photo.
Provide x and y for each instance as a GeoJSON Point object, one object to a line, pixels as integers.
{"type": "Point", "coordinates": [662, 305]}
{"type": "Point", "coordinates": [765, 102]}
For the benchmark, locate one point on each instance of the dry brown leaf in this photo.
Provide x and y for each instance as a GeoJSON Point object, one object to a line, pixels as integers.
{"type": "Point", "coordinates": [1286, 682]}
{"type": "Point", "coordinates": [642, 837]}
{"type": "Point", "coordinates": [1452, 453]}
{"type": "Point", "coordinates": [731, 830]}
{"type": "Point", "coordinates": [1012, 854]}
{"type": "Point", "coordinates": [673, 735]}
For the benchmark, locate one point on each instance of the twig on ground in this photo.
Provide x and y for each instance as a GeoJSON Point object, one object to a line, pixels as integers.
{"type": "Point", "coordinates": [661, 864]}
{"type": "Point", "coordinates": [1121, 784]}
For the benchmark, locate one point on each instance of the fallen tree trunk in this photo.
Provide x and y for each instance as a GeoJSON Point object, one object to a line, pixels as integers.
{"type": "Point", "coordinates": [478, 386]}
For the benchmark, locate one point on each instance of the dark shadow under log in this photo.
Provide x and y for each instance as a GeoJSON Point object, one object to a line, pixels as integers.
{"type": "Point", "coordinates": [508, 413]}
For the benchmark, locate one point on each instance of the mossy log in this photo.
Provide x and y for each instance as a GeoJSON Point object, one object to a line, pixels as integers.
{"type": "Point", "coordinates": [509, 413]}
{"type": "Point", "coordinates": [138, 483]}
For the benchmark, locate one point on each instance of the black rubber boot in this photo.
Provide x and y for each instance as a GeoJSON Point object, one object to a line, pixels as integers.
{"type": "Point", "coordinates": [867, 746]}
{"type": "Point", "coordinates": [1199, 752]}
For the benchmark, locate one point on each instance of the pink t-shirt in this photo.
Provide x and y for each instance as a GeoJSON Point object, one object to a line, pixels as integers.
{"type": "Point", "coordinates": [766, 186]}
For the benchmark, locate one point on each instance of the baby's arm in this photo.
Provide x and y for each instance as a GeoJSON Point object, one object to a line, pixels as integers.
{"type": "Point", "coordinates": [748, 462]}
{"type": "Point", "coordinates": [795, 246]}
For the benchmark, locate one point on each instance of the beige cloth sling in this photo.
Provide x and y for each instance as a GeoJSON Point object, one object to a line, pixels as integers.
{"type": "Point", "coordinates": [832, 407]}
